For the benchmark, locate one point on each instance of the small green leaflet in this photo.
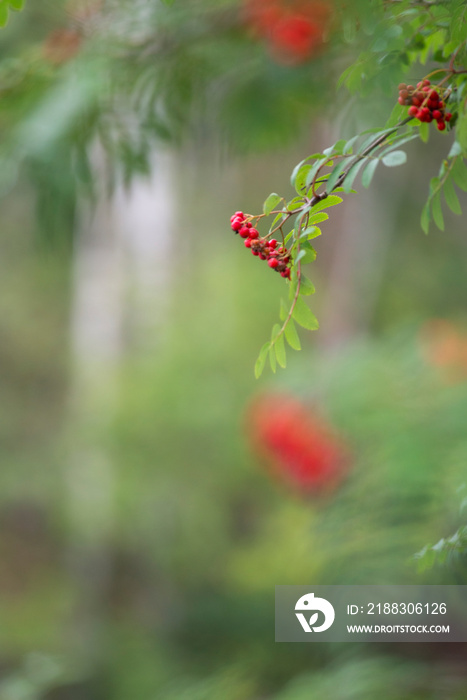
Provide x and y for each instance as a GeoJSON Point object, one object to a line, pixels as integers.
{"type": "Point", "coordinates": [304, 316]}
{"type": "Point", "coordinates": [425, 218]}
{"type": "Point", "coordinates": [369, 171]}
{"type": "Point", "coordinates": [394, 158]}
{"type": "Point", "coordinates": [299, 165]}
{"type": "Point", "coordinates": [327, 202]}
{"type": "Point", "coordinates": [306, 286]}
{"type": "Point", "coordinates": [318, 218]}
{"type": "Point", "coordinates": [333, 178]}
{"type": "Point", "coordinates": [437, 211]}
{"type": "Point", "coordinates": [424, 130]}
{"type": "Point", "coordinates": [272, 358]}
{"type": "Point", "coordinates": [307, 254]}
{"type": "Point", "coordinates": [291, 336]}
{"type": "Point", "coordinates": [280, 351]}
{"type": "Point", "coordinates": [260, 362]}
{"type": "Point", "coordinates": [451, 197]}
{"type": "Point", "coordinates": [459, 173]}
{"type": "Point", "coordinates": [5, 6]}
{"type": "Point", "coordinates": [352, 174]}
{"type": "Point", "coordinates": [311, 232]}
{"type": "Point", "coordinates": [272, 201]}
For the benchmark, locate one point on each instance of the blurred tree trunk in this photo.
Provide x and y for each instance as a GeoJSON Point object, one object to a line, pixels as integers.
{"type": "Point", "coordinates": [122, 266]}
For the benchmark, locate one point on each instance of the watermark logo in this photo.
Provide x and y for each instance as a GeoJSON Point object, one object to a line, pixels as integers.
{"type": "Point", "coordinates": [309, 603]}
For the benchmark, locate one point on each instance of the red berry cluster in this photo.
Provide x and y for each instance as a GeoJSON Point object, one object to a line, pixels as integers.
{"type": "Point", "coordinates": [295, 30]}
{"type": "Point", "coordinates": [296, 444]}
{"type": "Point", "coordinates": [278, 258]}
{"type": "Point", "coordinates": [425, 103]}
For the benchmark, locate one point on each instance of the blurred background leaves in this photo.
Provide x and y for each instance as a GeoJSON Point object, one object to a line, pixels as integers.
{"type": "Point", "coordinates": [143, 519]}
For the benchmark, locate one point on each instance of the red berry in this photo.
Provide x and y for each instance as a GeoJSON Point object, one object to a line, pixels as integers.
{"type": "Point", "coordinates": [273, 262]}
{"type": "Point", "coordinates": [401, 100]}
{"type": "Point", "coordinates": [240, 214]}
{"type": "Point", "coordinates": [402, 86]}
{"type": "Point", "coordinates": [244, 232]}
{"type": "Point", "coordinates": [237, 224]}
{"type": "Point", "coordinates": [262, 256]}
{"type": "Point", "coordinates": [404, 94]}
{"type": "Point", "coordinates": [272, 243]}
{"type": "Point", "coordinates": [416, 101]}
{"type": "Point", "coordinates": [420, 84]}
{"type": "Point", "coordinates": [437, 114]}
{"type": "Point", "coordinates": [253, 233]}
{"type": "Point", "coordinates": [255, 252]}
{"type": "Point", "coordinates": [448, 116]}
{"type": "Point", "coordinates": [248, 243]}
{"type": "Point", "coordinates": [426, 82]}
{"type": "Point", "coordinates": [410, 88]}
{"type": "Point", "coordinates": [441, 126]}
{"type": "Point", "coordinates": [434, 95]}
{"type": "Point", "coordinates": [413, 111]}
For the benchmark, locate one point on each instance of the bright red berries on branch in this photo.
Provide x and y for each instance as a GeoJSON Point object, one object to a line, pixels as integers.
{"type": "Point", "coordinates": [278, 257]}
{"type": "Point", "coordinates": [425, 103]}
{"type": "Point", "coordinates": [294, 30]}
{"type": "Point", "coordinates": [297, 445]}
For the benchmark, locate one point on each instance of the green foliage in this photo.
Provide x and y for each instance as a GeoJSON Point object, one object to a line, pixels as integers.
{"type": "Point", "coordinates": [445, 552]}
{"type": "Point", "coordinates": [6, 6]}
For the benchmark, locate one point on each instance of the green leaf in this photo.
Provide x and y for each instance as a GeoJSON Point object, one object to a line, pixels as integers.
{"type": "Point", "coordinates": [260, 362]}
{"type": "Point", "coordinates": [313, 170]}
{"type": "Point", "coordinates": [272, 359]}
{"type": "Point", "coordinates": [3, 14]}
{"type": "Point", "coordinates": [349, 145]}
{"type": "Point", "coordinates": [291, 336]}
{"type": "Point", "coordinates": [459, 173]}
{"type": "Point", "coordinates": [333, 178]}
{"type": "Point", "coordinates": [451, 197]}
{"type": "Point", "coordinates": [304, 316]}
{"type": "Point", "coordinates": [394, 158]}
{"type": "Point", "coordinates": [270, 203]}
{"type": "Point", "coordinates": [301, 254]}
{"type": "Point", "coordinates": [369, 171]}
{"type": "Point", "coordinates": [16, 4]}
{"type": "Point", "coordinates": [318, 218]}
{"type": "Point", "coordinates": [299, 165]}
{"type": "Point", "coordinates": [295, 203]}
{"type": "Point", "coordinates": [336, 149]}
{"type": "Point", "coordinates": [396, 115]}
{"type": "Point", "coordinates": [280, 351]}
{"type": "Point", "coordinates": [424, 130]}
{"type": "Point", "coordinates": [307, 254]}
{"type": "Point", "coordinates": [311, 232]}
{"type": "Point", "coordinates": [283, 311]}
{"type": "Point", "coordinates": [425, 218]}
{"type": "Point", "coordinates": [456, 150]}
{"type": "Point", "coordinates": [437, 211]}
{"type": "Point", "coordinates": [306, 286]}
{"type": "Point", "coordinates": [301, 180]}
{"type": "Point", "coordinates": [329, 201]}
{"type": "Point", "coordinates": [351, 175]}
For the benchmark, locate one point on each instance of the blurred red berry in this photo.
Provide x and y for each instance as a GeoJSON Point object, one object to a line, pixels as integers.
{"type": "Point", "coordinates": [294, 30]}
{"type": "Point", "coordinates": [298, 446]}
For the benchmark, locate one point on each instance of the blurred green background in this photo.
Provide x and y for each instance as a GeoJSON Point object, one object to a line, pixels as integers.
{"type": "Point", "coordinates": [141, 534]}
